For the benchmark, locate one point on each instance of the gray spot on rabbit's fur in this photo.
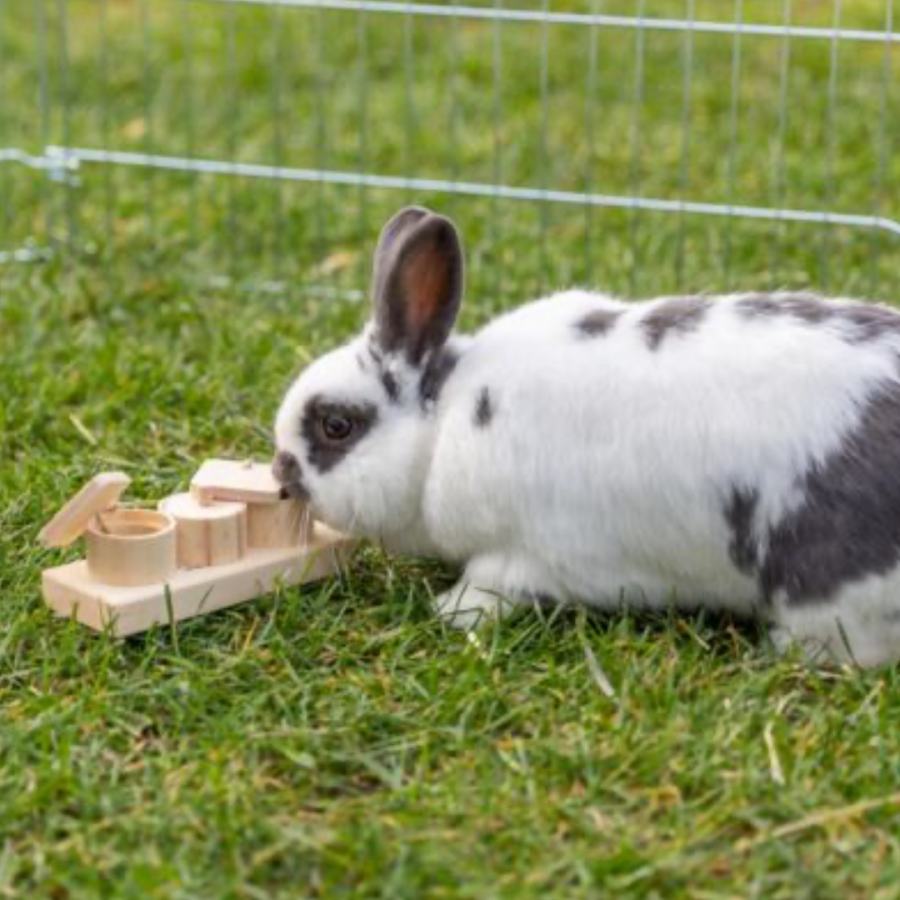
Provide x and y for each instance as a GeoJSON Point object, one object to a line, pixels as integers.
{"type": "Point", "coordinates": [848, 527]}
{"type": "Point", "coordinates": [439, 368]}
{"type": "Point", "coordinates": [484, 409]}
{"type": "Point", "coordinates": [391, 385]}
{"type": "Point", "coordinates": [678, 314]}
{"type": "Point", "coordinates": [374, 357]}
{"type": "Point", "coordinates": [740, 512]}
{"type": "Point", "coordinates": [326, 453]}
{"type": "Point", "coordinates": [860, 322]}
{"type": "Point", "coordinates": [598, 322]}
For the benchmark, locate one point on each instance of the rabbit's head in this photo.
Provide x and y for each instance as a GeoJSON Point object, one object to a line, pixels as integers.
{"type": "Point", "coordinates": [354, 432]}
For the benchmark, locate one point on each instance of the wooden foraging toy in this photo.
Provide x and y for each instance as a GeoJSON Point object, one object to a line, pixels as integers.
{"type": "Point", "coordinates": [189, 557]}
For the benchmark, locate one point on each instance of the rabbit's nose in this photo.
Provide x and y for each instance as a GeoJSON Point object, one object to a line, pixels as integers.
{"type": "Point", "coordinates": [285, 466]}
{"type": "Point", "coordinates": [287, 471]}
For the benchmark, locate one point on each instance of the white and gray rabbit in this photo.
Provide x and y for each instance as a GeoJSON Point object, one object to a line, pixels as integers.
{"type": "Point", "coordinates": [739, 452]}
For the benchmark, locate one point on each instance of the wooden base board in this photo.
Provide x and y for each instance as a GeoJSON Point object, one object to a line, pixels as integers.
{"type": "Point", "coordinates": [71, 592]}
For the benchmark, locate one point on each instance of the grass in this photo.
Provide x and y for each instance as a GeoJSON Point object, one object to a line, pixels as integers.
{"type": "Point", "coordinates": [337, 741]}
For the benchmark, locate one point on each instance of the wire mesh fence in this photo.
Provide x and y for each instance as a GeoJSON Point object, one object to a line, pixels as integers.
{"type": "Point", "coordinates": [637, 145]}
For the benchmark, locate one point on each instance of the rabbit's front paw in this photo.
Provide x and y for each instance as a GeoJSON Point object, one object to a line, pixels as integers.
{"type": "Point", "coordinates": [490, 589]}
{"type": "Point", "coordinates": [812, 651]}
{"type": "Point", "coordinates": [467, 607]}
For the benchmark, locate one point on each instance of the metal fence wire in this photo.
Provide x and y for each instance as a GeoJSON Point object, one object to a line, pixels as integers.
{"type": "Point", "coordinates": [645, 145]}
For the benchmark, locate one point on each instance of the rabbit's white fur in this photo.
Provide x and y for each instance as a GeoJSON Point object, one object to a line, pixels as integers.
{"type": "Point", "coordinates": [599, 468]}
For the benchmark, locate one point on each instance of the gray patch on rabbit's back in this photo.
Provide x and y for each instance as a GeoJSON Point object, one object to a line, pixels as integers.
{"type": "Point", "coordinates": [859, 323]}
{"type": "Point", "coordinates": [678, 315]}
{"type": "Point", "coordinates": [807, 308]}
{"type": "Point", "coordinates": [324, 454]}
{"type": "Point", "coordinates": [847, 527]}
{"type": "Point", "coordinates": [740, 513]}
{"type": "Point", "coordinates": [870, 322]}
{"type": "Point", "coordinates": [598, 322]}
{"type": "Point", "coordinates": [484, 409]}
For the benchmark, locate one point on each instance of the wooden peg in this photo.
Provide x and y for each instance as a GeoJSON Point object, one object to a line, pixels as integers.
{"type": "Point", "coordinates": [242, 481]}
{"type": "Point", "coordinates": [207, 535]}
{"type": "Point", "coordinates": [287, 523]}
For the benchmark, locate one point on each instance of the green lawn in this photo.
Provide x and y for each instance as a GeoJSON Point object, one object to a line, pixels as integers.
{"type": "Point", "coordinates": [337, 741]}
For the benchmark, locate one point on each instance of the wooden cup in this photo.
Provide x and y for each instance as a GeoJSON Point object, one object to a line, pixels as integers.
{"type": "Point", "coordinates": [129, 547]}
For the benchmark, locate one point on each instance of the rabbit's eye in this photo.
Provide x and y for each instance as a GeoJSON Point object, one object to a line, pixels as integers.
{"type": "Point", "coordinates": [336, 427]}
{"type": "Point", "coordinates": [331, 428]}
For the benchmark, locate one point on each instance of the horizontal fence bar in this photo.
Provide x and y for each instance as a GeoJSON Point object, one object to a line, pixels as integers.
{"type": "Point", "coordinates": [642, 23]}
{"type": "Point", "coordinates": [46, 162]}
{"type": "Point", "coordinates": [24, 254]}
{"type": "Point", "coordinates": [67, 158]}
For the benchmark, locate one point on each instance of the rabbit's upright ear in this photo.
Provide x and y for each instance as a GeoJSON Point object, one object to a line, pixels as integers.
{"type": "Point", "coordinates": [417, 283]}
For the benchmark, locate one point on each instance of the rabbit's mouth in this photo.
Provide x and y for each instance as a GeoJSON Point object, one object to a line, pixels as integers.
{"type": "Point", "coordinates": [289, 475]}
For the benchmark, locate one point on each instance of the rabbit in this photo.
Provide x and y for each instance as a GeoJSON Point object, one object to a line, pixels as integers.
{"type": "Point", "coordinates": [739, 452]}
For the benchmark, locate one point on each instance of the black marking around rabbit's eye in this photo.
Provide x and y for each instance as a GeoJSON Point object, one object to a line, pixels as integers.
{"type": "Point", "coordinates": [438, 369]}
{"type": "Point", "coordinates": [678, 315]}
{"type": "Point", "coordinates": [598, 322]}
{"type": "Point", "coordinates": [859, 323]}
{"type": "Point", "coordinates": [740, 513]}
{"type": "Point", "coordinates": [325, 454]}
{"type": "Point", "coordinates": [847, 526]}
{"type": "Point", "coordinates": [484, 409]}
